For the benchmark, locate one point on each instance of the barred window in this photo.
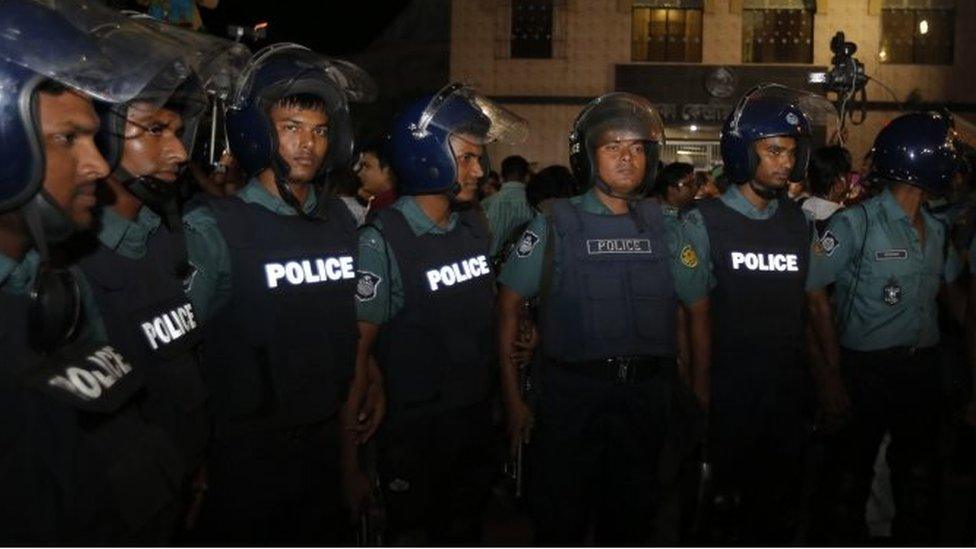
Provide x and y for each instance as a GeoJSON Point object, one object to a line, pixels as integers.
{"type": "Point", "coordinates": [665, 34]}
{"type": "Point", "coordinates": [532, 29]}
{"type": "Point", "coordinates": [917, 36]}
{"type": "Point", "coordinates": [777, 35]}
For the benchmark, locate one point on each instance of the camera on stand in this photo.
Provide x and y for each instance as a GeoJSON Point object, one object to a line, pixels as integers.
{"type": "Point", "coordinates": [846, 75]}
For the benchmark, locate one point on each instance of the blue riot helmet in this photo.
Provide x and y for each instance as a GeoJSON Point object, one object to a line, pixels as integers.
{"type": "Point", "coordinates": [771, 110]}
{"type": "Point", "coordinates": [420, 146]}
{"type": "Point", "coordinates": [630, 117]}
{"type": "Point", "coordinates": [279, 71]}
{"type": "Point", "coordinates": [917, 148]}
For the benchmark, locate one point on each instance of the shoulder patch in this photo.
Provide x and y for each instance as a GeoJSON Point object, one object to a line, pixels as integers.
{"type": "Point", "coordinates": [688, 257]}
{"type": "Point", "coordinates": [828, 242]}
{"type": "Point", "coordinates": [526, 244]}
{"type": "Point", "coordinates": [366, 285]}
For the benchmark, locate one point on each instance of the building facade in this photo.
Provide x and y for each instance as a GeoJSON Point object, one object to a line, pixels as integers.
{"type": "Point", "coordinates": [545, 59]}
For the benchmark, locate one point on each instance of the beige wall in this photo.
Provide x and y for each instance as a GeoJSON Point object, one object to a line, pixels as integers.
{"type": "Point", "coordinates": [596, 36]}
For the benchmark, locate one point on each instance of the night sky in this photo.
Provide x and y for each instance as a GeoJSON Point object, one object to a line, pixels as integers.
{"type": "Point", "coordinates": [332, 27]}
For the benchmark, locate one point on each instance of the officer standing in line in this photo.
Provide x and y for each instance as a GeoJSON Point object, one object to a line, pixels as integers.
{"type": "Point", "coordinates": [889, 258]}
{"type": "Point", "coordinates": [610, 268]}
{"type": "Point", "coordinates": [274, 283]}
{"type": "Point", "coordinates": [758, 251]}
{"type": "Point", "coordinates": [78, 465]}
{"type": "Point", "coordinates": [426, 296]}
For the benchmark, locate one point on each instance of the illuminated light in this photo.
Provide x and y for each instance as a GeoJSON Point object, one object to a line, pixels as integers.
{"type": "Point", "coordinates": [923, 26]}
{"type": "Point", "coordinates": [682, 151]}
{"type": "Point", "coordinates": [817, 77]}
{"type": "Point", "coordinates": [693, 128]}
{"type": "Point", "coordinates": [883, 54]}
{"type": "Point", "coordinates": [261, 25]}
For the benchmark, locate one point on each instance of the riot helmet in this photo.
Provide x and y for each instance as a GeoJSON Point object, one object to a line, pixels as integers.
{"type": "Point", "coordinates": [917, 148]}
{"type": "Point", "coordinates": [420, 146]}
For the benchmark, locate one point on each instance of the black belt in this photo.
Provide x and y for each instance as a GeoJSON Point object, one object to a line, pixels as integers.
{"type": "Point", "coordinates": [620, 369]}
{"type": "Point", "coordinates": [894, 351]}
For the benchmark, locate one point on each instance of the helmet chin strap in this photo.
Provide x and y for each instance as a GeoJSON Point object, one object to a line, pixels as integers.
{"type": "Point", "coordinates": [764, 192]}
{"type": "Point", "coordinates": [632, 200]}
{"type": "Point", "coordinates": [162, 197]}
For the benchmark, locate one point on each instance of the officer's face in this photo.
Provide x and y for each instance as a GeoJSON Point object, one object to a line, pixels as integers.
{"type": "Point", "coordinates": [467, 158]}
{"type": "Point", "coordinates": [777, 155]}
{"type": "Point", "coordinates": [152, 142]}
{"type": "Point", "coordinates": [72, 164]}
{"type": "Point", "coordinates": [303, 140]}
{"type": "Point", "coordinates": [621, 161]}
{"type": "Point", "coordinates": [375, 178]}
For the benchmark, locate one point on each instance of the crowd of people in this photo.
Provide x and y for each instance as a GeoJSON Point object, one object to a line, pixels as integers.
{"type": "Point", "coordinates": [272, 342]}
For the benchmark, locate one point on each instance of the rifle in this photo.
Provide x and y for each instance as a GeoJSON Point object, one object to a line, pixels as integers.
{"type": "Point", "coordinates": [371, 530]}
{"type": "Point", "coordinates": [515, 468]}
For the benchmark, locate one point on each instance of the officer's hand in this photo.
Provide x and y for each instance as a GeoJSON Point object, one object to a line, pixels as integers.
{"type": "Point", "coordinates": [520, 422]}
{"type": "Point", "coordinates": [525, 346]}
{"type": "Point", "coordinates": [199, 491]}
{"type": "Point", "coordinates": [371, 414]}
{"type": "Point", "coordinates": [356, 490]}
{"type": "Point", "coordinates": [834, 401]}
{"type": "Point", "coordinates": [703, 391]}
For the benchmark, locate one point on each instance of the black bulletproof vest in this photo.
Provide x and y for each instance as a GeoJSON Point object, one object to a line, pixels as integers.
{"type": "Point", "coordinates": [149, 319]}
{"type": "Point", "coordinates": [79, 464]}
{"type": "Point", "coordinates": [282, 351]}
{"type": "Point", "coordinates": [438, 348]}
{"type": "Point", "coordinates": [615, 294]}
{"type": "Point", "coordinates": [761, 267]}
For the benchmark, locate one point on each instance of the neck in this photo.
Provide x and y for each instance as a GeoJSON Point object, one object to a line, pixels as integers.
{"type": "Point", "coordinates": [436, 206]}
{"type": "Point", "coordinates": [122, 201]}
{"type": "Point", "coordinates": [757, 201]}
{"type": "Point", "coordinates": [910, 198]}
{"type": "Point", "coordinates": [616, 205]}
{"type": "Point", "coordinates": [13, 236]}
{"type": "Point", "coordinates": [267, 180]}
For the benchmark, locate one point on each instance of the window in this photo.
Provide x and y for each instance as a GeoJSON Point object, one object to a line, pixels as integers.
{"type": "Point", "coordinates": [666, 34]}
{"type": "Point", "coordinates": [532, 29]}
{"type": "Point", "coordinates": [916, 35]}
{"type": "Point", "coordinates": [780, 34]}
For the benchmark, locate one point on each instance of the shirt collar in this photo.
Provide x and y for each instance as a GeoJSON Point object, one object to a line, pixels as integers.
{"type": "Point", "coordinates": [16, 277]}
{"type": "Point", "coordinates": [891, 207]}
{"type": "Point", "coordinates": [255, 193]}
{"type": "Point", "coordinates": [116, 231]}
{"type": "Point", "coordinates": [512, 185]}
{"type": "Point", "coordinates": [418, 220]}
{"type": "Point", "coordinates": [734, 199]}
{"type": "Point", "coordinates": [591, 203]}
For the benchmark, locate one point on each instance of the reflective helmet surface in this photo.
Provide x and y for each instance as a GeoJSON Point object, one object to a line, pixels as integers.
{"type": "Point", "coordinates": [916, 148]}
{"type": "Point", "coordinates": [420, 148]}
{"type": "Point", "coordinates": [769, 110]}
{"type": "Point", "coordinates": [281, 70]}
{"type": "Point", "coordinates": [624, 112]}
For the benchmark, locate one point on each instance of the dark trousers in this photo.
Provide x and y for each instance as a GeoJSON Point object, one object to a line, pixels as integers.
{"type": "Point", "coordinates": [436, 470]}
{"type": "Point", "coordinates": [277, 487]}
{"type": "Point", "coordinates": [897, 392]}
{"type": "Point", "coordinates": [757, 435]}
{"type": "Point", "coordinates": [594, 457]}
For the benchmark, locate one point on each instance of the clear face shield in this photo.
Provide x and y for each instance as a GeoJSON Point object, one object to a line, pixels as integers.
{"type": "Point", "coordinates": [818, 111]}
{"type": "Point", "coordinates": [459, 110]}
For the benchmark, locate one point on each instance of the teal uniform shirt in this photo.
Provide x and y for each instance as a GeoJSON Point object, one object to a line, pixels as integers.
{"type": "Point", "coordinates": [892, 302]}
{"type": "Point", "coordinates": [734, 199]}
{"type": "Point", "coordinates": [376, 259]}
{"type": "Point", "coordinates": [210, 285]}
{"type": "Point", "coordinates": [507, 210]}
{"type": "Point", "coordinates": [523, 270]}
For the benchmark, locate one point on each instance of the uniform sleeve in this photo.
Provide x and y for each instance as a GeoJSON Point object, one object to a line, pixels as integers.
{"type": "Point", "coordinates": [953, 265]}
{"type": "Point", "coordinates": [522, 272]}
{"type": "Point", "coordinates": [209, 285]}
{"type": "Point", "coordinates": [379, 290]}
{"type": "Point", "coordinates": [691, 279]}
{"type": "Point", "coordinates": [694, 227]}
{"type": "Point", "coordinates": [831, 253]}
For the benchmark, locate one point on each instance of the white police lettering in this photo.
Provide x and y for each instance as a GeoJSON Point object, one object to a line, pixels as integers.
{"type": "Point", "coordinates": [169, 326]}
{"type": "Point", "coordinates": [765, 262]}
{"type": "Point", "coordinates": [107, 366]}
{"type": "Point", "coordinates": [462, 271]}
{"type": "Point", "coordinates": [310, 271]}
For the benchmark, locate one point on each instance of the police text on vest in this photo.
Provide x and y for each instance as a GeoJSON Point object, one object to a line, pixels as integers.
{"type": "Point", "coordinates": [169, 326]}
{"type": "Point", "coordinates": [105, 367]}
{"type": "Point", "coordinates": [455, 273]}
{"type": "Point", "coordinates": [764, 262]}
{"type": "Point", "coordinates": [310, 271]}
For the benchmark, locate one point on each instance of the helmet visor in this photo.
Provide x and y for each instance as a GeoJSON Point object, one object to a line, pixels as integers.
{"type": "Point", "coordinates": [458, 109]}
{"type": "Point", "coordinates": [620, 117]}
{"type": "Point", "coordinates": [817, 110]}
{"type": "Point", "coordinates": [89, 47]}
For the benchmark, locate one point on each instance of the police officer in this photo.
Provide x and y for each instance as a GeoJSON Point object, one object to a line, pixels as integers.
{"type": "Point", "coordinates": [274, 282]}
{"type": "Point", "coordinates": [426, 295]}
{"type": "Point", "coordinates": [137, 260]}
{"type": "Point", "coordinates": [888, 258]}
{"type": "Point", "coordinates": [610, 268]}
{"type": "Point", "coordinates": [79, 465]}
{"type": "Point", "coordinates": [758, 258]}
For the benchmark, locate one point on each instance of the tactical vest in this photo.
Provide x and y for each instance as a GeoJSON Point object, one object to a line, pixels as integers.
{"type": "Point", "coordinates": [438, 348]}
{"type": "Point", "coordinates": [615, 293]}
{"type": "Point", "coordinates": [282, 350]}
{"type": "Point", "coordinates": [149, 318]}
{"type": "Point", "coordinates": [758, 306]}
{"type": "Point", "coordinates": [79, 466]}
